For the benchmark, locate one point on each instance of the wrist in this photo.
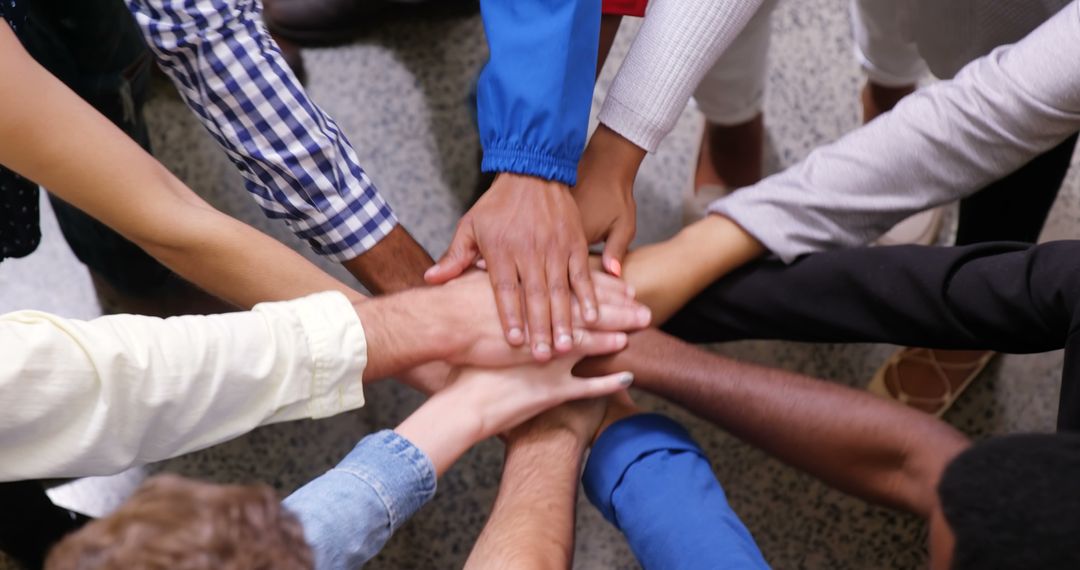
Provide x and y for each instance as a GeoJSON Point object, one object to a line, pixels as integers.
{"type": "Point", "coordinates": [515, 182]}
{"type": "Point", "coordinates": [620, 157]}
{"type": "Point", "coordinates": [560, 442]}
{"type": "Point", "coordinates": [442, 429]}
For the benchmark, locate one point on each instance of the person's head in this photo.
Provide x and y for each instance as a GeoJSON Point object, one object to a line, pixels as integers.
{"type": "Point", "coordinates": [179, 524]}
{"type": "Point", "coordinates": [1011, 503]}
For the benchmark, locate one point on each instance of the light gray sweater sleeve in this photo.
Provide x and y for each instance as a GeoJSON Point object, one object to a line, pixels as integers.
{"type": "Point", "coordinates": [678, 43]}
{"type": "Point", "coordinates": [943, 143]}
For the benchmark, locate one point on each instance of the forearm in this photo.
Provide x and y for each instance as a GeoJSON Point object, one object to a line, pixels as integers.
{"type": "Point", "coordinates": [669, 274]}
{"type": "Point", "coordinates": [850, 439]}
{"type": "Point", "coordinates": [940, 144]}
{"type": "Point", "coordinates": [532, 523]}
{"type": "Point", "coordinates": [96, 397]}
{"type": "Point", "coordinates": [296, 162]}
{"type": "Point", "coordinates": [408, 329]}
{"type": "Point", "coordinates": [52, 137]}
{"type": "Point", "coordinates": [677, 44]}
{"type": "Point", "coordinates": [535, 93]}
{"type": "Point", "coordinates": [394, 264]}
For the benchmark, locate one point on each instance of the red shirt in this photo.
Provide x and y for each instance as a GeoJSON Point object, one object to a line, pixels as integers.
{"type": "Point", "coordinates": [625, 7]}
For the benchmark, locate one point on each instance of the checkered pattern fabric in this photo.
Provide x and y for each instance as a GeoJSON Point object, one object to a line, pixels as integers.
{"type": "Point", "coordinates": [294, 158]}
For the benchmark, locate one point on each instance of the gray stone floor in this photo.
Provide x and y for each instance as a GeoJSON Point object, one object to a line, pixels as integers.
{"type": "Point", "coordinates": [402, 95]}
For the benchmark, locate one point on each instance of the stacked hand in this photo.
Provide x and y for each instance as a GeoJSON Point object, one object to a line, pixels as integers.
{"type": "Point", "coordinates": [528, 231]}
{"type": "Point", "coordinates": [478, 339]}
{"type": "Point", "coordinates": [479, 403]}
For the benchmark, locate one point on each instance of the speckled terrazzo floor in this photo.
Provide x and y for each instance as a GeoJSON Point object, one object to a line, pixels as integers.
{"type": "Point", "coordinates": [401, 94]}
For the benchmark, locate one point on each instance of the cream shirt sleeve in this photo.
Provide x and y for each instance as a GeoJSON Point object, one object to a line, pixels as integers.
{"type": "Point", "coordinates": [96, 397]}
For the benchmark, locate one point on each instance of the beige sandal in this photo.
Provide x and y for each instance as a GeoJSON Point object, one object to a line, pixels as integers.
{"type": "Point", "coordinates": [888, 380]}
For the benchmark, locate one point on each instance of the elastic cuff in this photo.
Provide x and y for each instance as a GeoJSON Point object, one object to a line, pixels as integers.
{"type": "Point", "coordinates": [531, 163]}
{"type": "Point", "coordinates": [635, 127]}
{"type": "Point", "coordinates": [624, 443]}
{"type": "Point", "coordinates": [412, 484]}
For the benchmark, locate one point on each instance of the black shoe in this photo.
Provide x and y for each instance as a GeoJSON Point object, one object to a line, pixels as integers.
{"type": "Point", "coordinates": [322, 22]}
{"type": "Point", "coordinates": [30, 524]}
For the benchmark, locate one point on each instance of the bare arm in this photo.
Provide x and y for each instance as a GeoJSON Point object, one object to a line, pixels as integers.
{"type": "Point", "coordinates": [52, 137]}
{"type": "Point", "coordinates": [532, 523]}
{"type": "Point", "coordinates": [394, 264]}
{"type": "Point", "coordinates": [858, 443]}
{"type": "Point", "coordinates": [669, 274]}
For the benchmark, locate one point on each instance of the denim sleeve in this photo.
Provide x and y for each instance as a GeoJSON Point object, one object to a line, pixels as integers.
{"type": "Point", "coordinates": [535, 92]}
{"type": "Point", "coordinates": [349, 513]}
{"type": "Point", "coordinates": [650, 479]}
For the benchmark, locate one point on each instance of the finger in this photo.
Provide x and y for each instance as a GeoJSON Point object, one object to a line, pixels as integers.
{"type": "Point", "coordinates": [537, 307]}
{"type": "Point", "coordinates": [461, 254]}
{"type": "Point", "coordinates": [582, 284]}
{"type": "Point", "coordinates": [595, 343]}
{"type": "Point", "coordinates": [562, 323]}
{"type": "Point", "coordinates": [615, 247]}
{"type": "Point", "coordinates": [622, 318]}
{"type": "Point", "coordinates": [600, 386]}
{"type": "Point", "coordinates": [504, 281]}
{"type": "Point", "coordinates": [612, 290]}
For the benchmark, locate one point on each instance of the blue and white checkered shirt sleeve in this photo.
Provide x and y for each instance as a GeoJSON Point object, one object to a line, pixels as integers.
{"type": "Point", "coordinates": [294, 158]}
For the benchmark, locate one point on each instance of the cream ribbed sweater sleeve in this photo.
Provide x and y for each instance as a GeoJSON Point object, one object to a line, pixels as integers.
{"type": "Point", "coordinates": [96, 397]}
{"type": "Point", "coordinates": [678, 42]}
{"type": "Point", "coordinates": [941, 144]}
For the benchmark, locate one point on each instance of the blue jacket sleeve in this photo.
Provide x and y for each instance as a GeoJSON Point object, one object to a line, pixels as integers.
{"type": "Point", "coordinates": [349, 513]}
{"type": "Point", "coordinates": [651, 480]}
{"type": "Point", "coordinates": [535, 92]}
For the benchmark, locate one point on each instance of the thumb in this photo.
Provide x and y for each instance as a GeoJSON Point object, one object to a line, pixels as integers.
{"type": "Point", "coordinates": [584, 388]}
{"type": "Point", "coordinates": [459, 257]}
{"type": "Point", "coordinates": [618, 242]}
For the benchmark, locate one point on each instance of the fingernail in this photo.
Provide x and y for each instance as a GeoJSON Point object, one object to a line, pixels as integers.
{"type": "Point", "coordinates": [564, 342]}
{"type": "Point", "coordinates": [626, 379]}
{"type": "Point", "coordinates": [542, 349]}
{"type": "Point", "coordinates": [579, 336]}
{"type": "Point", "coordinates": [644, 315]}
{"type": "Point", "coordinates": [430, 270]}
{"type": "Point", "coordinates": [621, 339]}
{"type": "Point", "coordinates": [630, 291]}
{"type": "Point", "coordinates": [515, 335]}
{"type": "Point", "coordinates": [615, 267]}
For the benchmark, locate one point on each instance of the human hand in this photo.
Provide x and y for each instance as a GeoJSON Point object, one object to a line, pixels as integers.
{"type": "Point", "coordinates": [465, 308]}
{"type": "Point", "coordinates": [668, 274]}
{"type": "Point", "coordinates": [529, 233]}
{"type": "Point", "coordinates": [579, 419]}
{"type": "Point", "coordinates": [479, 403]}
{"type": "Point", "coordinates": [605, 194]}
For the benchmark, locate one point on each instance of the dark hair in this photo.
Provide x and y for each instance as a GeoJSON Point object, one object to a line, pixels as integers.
{"type": "Point", "coordinates": [1013, 503]}
{"type": "Point", "coordinates": [172, 523]}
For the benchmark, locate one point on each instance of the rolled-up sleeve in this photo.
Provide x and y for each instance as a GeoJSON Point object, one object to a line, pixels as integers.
{"type": "Point", "coordinates": [295, 160]}
{"type": "Point", "coordinates": [535, 92]}
{"type": "Point", "coordinates": [96, 397]}
{"type": "Point", "coordinates": [650, 479]}
{"type": "Point", "coordinates": [349, 513]}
